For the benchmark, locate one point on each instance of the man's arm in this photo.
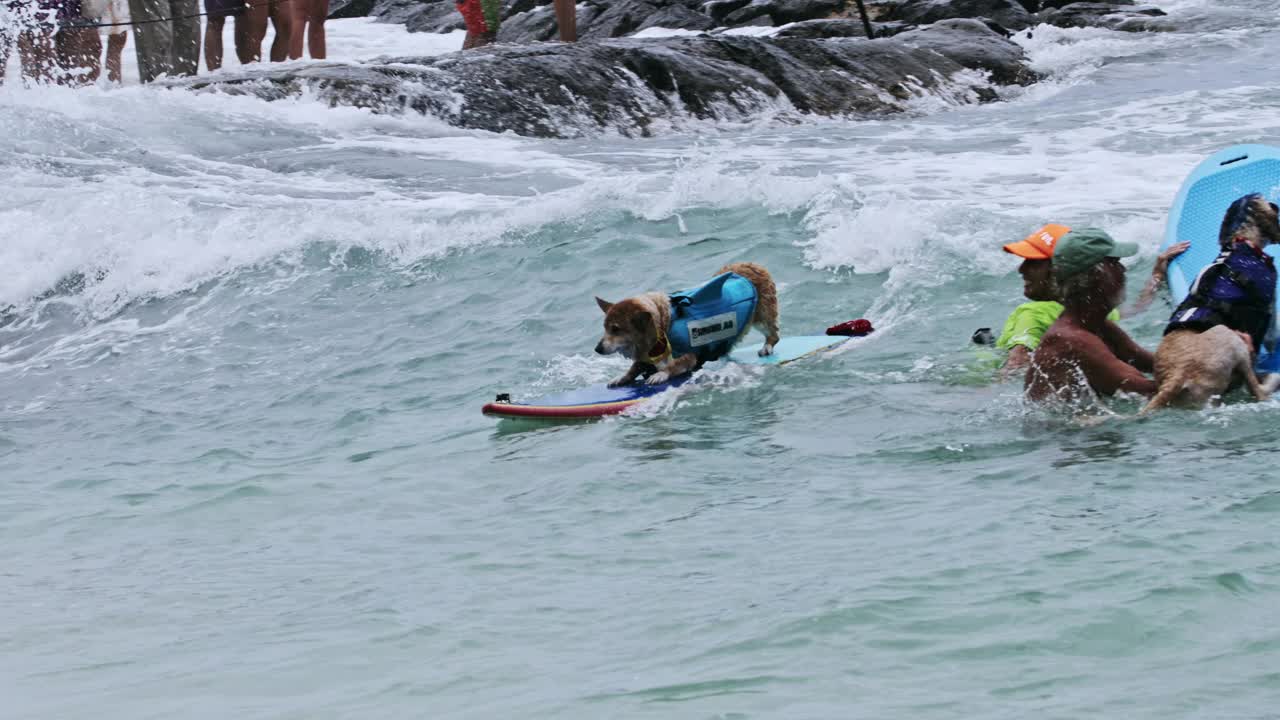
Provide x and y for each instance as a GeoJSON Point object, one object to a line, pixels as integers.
{"type": "Point", "coordinates": [1107, 373]}
{"type": "Point", "coordinates": [1022, 332]}
{"type": "Point", "coordinates": [1019, 358]}
{"type": "Point", "coordinates": [1158, 274]}
{"type": "Point", "coordinates": [1127, 349]}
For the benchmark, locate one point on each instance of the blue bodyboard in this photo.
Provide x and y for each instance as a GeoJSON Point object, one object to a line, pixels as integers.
{"type": "Point", "coordinates": [1200, 205]}
{"type": "Point", "coordinates": [787, 349]}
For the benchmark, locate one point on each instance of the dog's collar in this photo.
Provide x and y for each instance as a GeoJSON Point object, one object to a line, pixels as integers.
{"type": "Point", "coordinates": [661, 349]}
{"type": "Point", "coordinates": [1256, 250]}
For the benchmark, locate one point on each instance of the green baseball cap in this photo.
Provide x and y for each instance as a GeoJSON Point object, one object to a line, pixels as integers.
{"type": "Point", "coordinates": [1081, 249]}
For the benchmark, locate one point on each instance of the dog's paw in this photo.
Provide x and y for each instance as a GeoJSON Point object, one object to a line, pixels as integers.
{"type": "Point", "coordinates": [766, 350]}
{"type": "Point", "coordinates": [658, 378]}
{"type": "Point", "coordinates": [619, 382]}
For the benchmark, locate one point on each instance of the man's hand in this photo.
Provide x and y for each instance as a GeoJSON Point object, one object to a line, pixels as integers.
{"type": "Point", "coordinates": [1158, 272]}
{"type": "Point", "coordinates": [1173, 251]}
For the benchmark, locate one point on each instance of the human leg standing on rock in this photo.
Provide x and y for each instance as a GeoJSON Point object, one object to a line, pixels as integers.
{"type": "Point", "coordinates": [78, 47]}
{"type": "Point", "coordinates": [567, 20]}
{"type": "Point", "coordinates": [308, 21]}
{"type": "Point", "coordinates": [281, 15]}
{"type": "Point", "coordinates": [167, 36]}
{"type": "Point", "coordinates": [35, 32]}
{"type": "Point", "coordinates": [482, 18]}
{"type": "Point", "coordinates": [116, 16]}
{"type": "Point", "coordinates": [216, 14]}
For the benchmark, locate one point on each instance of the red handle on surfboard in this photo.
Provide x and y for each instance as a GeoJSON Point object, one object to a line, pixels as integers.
{"type": "Point", "coordinates": [852, 328]}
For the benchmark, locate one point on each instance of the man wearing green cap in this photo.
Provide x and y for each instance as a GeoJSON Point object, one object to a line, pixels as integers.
{"type": "Point", "coordinates": [1030, 320]}
{"type": "Point", "coordinates": [1083, 351]}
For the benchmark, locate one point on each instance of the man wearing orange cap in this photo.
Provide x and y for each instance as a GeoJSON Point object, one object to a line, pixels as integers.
{"type": "Point", "coordinates": [1029, 321]}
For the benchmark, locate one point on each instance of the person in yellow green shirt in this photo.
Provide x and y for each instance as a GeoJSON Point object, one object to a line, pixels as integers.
{"type": "Point", "coordinates": [1029, 321]}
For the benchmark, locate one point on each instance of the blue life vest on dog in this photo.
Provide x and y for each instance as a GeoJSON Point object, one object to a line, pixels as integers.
{"type": "Point", "coordinates": [1237, 289]}
{"type": "Point", "coordinates": [709, 319]}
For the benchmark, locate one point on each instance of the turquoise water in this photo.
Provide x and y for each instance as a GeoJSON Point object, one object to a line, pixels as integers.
{"type": "Point", "coordinates": [243, 470]}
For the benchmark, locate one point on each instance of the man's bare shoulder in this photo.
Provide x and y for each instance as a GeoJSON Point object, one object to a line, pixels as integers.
{"type": "Point", "coordinates": [1063, 335]}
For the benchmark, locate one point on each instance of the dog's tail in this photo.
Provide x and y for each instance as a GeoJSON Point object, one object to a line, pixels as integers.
{"type": "Point", "coordinates": [1260, 392]}
{"type": "Point", "coordinates": [1169, 390]}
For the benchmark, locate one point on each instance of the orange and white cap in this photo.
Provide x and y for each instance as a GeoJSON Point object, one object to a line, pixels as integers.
{"type": "Point", "coordinates": [1039, 244]}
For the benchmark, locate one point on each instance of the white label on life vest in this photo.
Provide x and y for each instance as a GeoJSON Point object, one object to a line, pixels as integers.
{"type": "Point", "coordinates": [713, 329]}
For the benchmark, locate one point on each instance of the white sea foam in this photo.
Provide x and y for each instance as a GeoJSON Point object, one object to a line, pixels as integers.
{"type": "Point", "coordinates": [150, 193]}
{"type": "Point", "coordinates": [662, 32]}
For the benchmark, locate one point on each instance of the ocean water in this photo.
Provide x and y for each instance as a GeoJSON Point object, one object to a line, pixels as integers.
{"type": "Point", "coordinates": [244, 473]}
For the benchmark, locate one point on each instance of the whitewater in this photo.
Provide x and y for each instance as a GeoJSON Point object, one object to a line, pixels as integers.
{"type": "Point", "coordinates": [243, 470]}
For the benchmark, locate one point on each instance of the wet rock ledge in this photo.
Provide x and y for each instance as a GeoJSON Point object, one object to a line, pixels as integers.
{"type": "Point", "coordinates": [636, 86]}
{"type": "Point", "coordinates": [816, 61]}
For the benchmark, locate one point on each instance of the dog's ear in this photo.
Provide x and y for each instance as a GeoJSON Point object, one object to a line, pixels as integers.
{"type": "Point", "coordinates": [646, 326]}
{"type": "Point", "coordinates": [1268, 221]}
{"type": "Point", "coordinates": [604, 304]}
{"type": "Point", "coordinates": [1270, 229]}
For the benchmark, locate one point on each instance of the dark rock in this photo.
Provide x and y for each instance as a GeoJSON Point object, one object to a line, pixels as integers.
{"type": "Point", "coordinates": [971, 44]}
{"type": "Point", "coordinates": [432, 15]}
{"type": "Point", "coordinates": [822, 29]}
{"type": "Point", "coordinates": [891, 28]}
{"type": "Point", "coordinates": [515, 7]}
{"type": "Point", "coordinates": [634, 86]}
{"type": "Point", "coordinates": [789, 11]}
{"type": "Point", "coordinates": [876, 9]}
{"type": "Point", "coordinates": [718, 10]}
{"type": "Point", "coordinates": [1055, 4]}
{"type": "Point", "coordinates": [1112, 15]}
{"type": "Point", "coordinates": [587, 14]}
{"type": "Point", "coordinates": [1008, 13]}
{"type": "Point", "coordinates": [678, 17]}
{"type": "Point", "coordinates": [536, 25]}
{"type": "Point", "coordinates": [996, 27]}
{"type": "Point", "coordinates": [436, 17]}
{"type": "Point", "coordinates": [339, 9]}
{"type": "Point", "coordinates": [539, 25]}
{"type": "Point", "coordinates": [781, 12]}
{"type": "Point", "coordinates": [620, 17]}
{"type": "Point", "coordinates": [400, 11]}
{"type": "Point", "coordinates": [841, 28]}
{"type": "Point", "coordinates": [415, 15]}
{"type": "Point", "coordinates": [747, 15]}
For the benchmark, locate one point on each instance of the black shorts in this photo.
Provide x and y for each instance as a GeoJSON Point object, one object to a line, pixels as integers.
{"type": "Point", "coordinates": [218, 9]}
